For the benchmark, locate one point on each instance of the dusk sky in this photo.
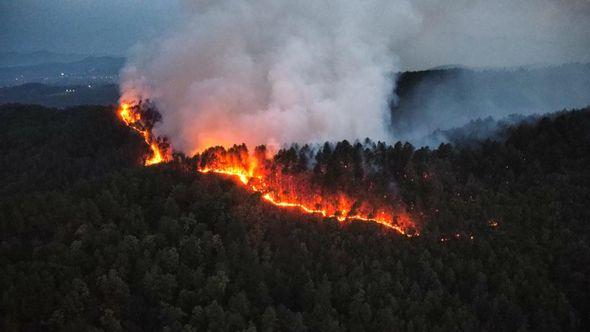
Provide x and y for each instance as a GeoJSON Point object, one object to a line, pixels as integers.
{"type": "Point", "coordinates": [473, 33]}
{"type": "Point", "coordinates": [82, 26]}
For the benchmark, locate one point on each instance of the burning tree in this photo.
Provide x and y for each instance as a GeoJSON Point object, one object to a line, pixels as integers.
{"type": "Point", "coordinates": [141, 117]}
{"type": "Point", "coordinates": [337, 187]}
{"type": "Point", "coordinates": [334, 182]}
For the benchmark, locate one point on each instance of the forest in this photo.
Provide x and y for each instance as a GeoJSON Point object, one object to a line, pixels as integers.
{"type": "Point", "coordinates": [90, 239]}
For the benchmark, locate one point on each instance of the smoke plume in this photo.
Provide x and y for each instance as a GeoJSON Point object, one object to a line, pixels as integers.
{"type": "Point", "coordinates": [272, 72]}
{"type": "Point", "coordinates": [278, 72]}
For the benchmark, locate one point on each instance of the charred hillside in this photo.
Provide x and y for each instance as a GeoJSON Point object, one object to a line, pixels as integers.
{"type": "Point", "coordinates": [91, 238]}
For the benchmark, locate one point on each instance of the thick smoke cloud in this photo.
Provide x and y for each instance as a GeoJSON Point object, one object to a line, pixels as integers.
{"type": "Point", "coordinates": [278, 71]}
{"type": "Point", "coordinates": [499, 33]}
{"type": "Point", "coordinates": [274, 71]}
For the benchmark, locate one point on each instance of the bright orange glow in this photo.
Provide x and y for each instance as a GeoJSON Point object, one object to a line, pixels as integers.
{"type": "Point", "coordinates": [127, 116]}
{"type": "Point", "coordinates": [289, 191]}
{"type": "Point", "coordinates": [133, 119]}
{"type": "Point", "coordinates": [285, 190]}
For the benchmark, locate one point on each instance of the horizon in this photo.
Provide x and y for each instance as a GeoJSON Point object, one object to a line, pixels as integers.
{"type": "Point", "coordinates": [83, 56]}
{"type": "Point", "coordinates": [474, 35]}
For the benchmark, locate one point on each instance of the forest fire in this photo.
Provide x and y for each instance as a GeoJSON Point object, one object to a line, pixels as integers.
{"type": "Point", "coordinates": [270, 177]}
{"type": "Point", "coordinates": [140, 120]}
{"type": "Point", "coordinates": [296, 189]}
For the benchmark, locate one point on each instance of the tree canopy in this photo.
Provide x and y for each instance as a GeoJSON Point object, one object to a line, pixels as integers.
{"type": "Point", "coordinates": [92, 240]}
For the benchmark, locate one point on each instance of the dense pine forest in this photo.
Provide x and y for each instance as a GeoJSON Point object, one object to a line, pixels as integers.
{"type": "Point", "coordinates": [92, 240]}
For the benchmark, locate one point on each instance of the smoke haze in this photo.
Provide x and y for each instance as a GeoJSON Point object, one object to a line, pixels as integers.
{"type": "Point", "coordinates": [443, 99]}
{"type": "Point", "coordinates": [499, 33]}
{"type": "Point", "coordinates": [278, 71]}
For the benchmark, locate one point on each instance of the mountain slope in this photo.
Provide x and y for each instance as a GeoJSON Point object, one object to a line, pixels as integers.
{"type": "Point", "coordinates": [91, 239]}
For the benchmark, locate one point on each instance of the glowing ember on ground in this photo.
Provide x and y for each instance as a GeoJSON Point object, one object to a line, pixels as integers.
{"type": "Point", "coordinates": [493, 223]}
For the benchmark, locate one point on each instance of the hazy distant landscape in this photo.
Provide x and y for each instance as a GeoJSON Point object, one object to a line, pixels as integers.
{"type": "Point", "coordinates": [425, 104]}
{"type": "Point", "coordinates": [60, 71]}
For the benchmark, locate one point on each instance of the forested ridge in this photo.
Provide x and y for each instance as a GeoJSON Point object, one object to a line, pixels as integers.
{"type": "Point", "coordinates": [92, 240]}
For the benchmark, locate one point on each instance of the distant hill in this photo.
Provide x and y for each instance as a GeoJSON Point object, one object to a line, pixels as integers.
{"type": "Point", "coordinates": [13, 59]}
{"type": "Point", "coordinates": [427, 101]}
{"type": "Point", "coordinates": [87, 70]}
{"type": "Point", "coordinates": [447, 98]}
{"type": "Point", "coordinates": [60, 96]}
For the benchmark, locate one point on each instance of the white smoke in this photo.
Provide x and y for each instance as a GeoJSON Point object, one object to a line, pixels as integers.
{"type": "Point", "coordinates": [279, 71]}
{"type": "Point", "coordinates": [274, 71]}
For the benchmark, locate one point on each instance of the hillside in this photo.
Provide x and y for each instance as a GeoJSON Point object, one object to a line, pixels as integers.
{"type": "Point", "coordinates": [437, 99]}
{"type": "Point", "coordinates": [89, 70]}
{"type": "Point", "coordinates": [446, 98]}
{"type": "Point", "coordinates": [60, 96]}
{"type": "Point", "coordinates": [15, 59]}
{"type": "Point", "coordinates": [91, 239]}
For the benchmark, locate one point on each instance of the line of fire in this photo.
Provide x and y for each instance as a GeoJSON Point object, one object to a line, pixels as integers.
{"type": "Point", "coordinates": [280, 183]}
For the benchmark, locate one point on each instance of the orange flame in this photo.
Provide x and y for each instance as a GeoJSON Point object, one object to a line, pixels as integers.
{"type": "Point", "coordinates": [279, 189]}
{"type": "Point", "coordinates": [133, 120]}
{"type": "Point", "coordinates": [284, 191]}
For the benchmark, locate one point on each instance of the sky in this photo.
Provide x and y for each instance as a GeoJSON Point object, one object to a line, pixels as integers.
{"type": "Point", "coordinates": [82, 26]}
{"type": "Point", "coordinates": [476, 33]}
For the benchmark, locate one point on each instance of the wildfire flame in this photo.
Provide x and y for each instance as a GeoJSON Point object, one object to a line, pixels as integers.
{"type": "Point", "coordinates": [282, 190]}
{"type": "Point", "coordinates": [133, 119]}
{"type": "Point", "coordinates": [292, 191]}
